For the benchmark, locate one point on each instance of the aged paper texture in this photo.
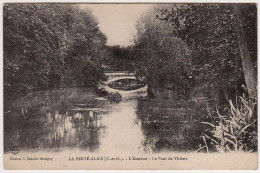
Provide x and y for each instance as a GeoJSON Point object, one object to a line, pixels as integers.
{"type": "Point", "coordinates": [139, 86]}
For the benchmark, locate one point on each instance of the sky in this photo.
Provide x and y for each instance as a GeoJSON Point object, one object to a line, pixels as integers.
{"type": "Point", "coordinates": [117, 21]}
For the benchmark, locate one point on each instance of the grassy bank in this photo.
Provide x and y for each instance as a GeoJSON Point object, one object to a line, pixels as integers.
{"type": "Point", "coordinates": [54, 98]}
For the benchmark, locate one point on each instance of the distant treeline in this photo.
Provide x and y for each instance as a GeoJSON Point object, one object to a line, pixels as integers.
{"type": "Point", "coordinates": [119, 58]}
{"type": "Point", "coordinates": [199, 50]}
{"type": "Point", "coordinates": [50, 46]}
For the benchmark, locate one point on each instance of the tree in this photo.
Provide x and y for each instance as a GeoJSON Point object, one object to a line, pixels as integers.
{"type": "Point", "coordinates": [248, 68]}
{"type": "Point", "coordinates": [162, 57]}
{"type": "Point", "coordinates": [209, 30]}
{"type": "Point", "coordinates": [118, 58]}
{"type": "Point", "coordinates": [47, 45]}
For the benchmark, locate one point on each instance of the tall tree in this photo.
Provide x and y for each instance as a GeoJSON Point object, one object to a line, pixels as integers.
{"type": "Point", "coordinates": [47, 45]}
{"type": "Point", "coordinates": [248, 68]}
{"type": "Point", "coordinates": [210, 32]}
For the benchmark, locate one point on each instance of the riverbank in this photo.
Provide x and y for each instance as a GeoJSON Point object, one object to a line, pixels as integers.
{"type": "Point", "coordinates": [200, 119]}
{"type": "Point", "coordinates": [54, 97]}
{"type": "Point", "coordinates": [46, 100]}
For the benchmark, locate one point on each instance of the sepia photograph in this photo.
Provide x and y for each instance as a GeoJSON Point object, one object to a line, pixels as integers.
{"type": "Point", "coordinates": [132, 86]}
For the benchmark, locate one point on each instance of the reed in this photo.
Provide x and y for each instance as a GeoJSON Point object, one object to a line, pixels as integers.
{"type": "Point", "coordinates": [233, 130]}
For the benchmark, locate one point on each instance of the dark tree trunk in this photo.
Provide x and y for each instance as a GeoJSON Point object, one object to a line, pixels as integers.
{"type": "Point", "coordinates": [248, 68]}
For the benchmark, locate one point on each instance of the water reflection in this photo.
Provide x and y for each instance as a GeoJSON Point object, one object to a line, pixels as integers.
{"type": "Point", "coordinates": [129, 126]}
{"type": "Point", "coordinates": [77, 128]}
{"type": "Point", "coordinates": [123, 132]}
{"type": "Point", "coordinates": [161, 126]}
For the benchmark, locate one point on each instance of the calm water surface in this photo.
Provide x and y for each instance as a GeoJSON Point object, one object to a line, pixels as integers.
{"type": "Point", "coordinates": [129, 126]}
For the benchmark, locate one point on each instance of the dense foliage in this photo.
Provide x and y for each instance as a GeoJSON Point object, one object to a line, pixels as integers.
{"type": "Point", "coordinates": [163, 58]}
{"type": "Point", "coordinates": [117, 58]}
{"type": "Point", "coordinates": [49, 45]}
{"type": "Point", "coordinates": [195, 48]}
{"type": "Point", "coordinates": [206, 55]}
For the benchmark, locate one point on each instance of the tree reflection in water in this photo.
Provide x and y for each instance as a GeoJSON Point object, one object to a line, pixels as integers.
{"type": "Point", "coordinates": [129, 126]}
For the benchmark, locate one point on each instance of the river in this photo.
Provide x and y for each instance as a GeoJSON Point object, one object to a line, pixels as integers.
{"type": "Point", "coordinates": [132, 125]}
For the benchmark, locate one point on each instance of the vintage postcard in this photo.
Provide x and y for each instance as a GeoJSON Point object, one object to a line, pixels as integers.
{"type": "Point", "coordinates": [133, 86]}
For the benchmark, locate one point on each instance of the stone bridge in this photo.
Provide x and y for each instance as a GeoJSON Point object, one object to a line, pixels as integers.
{"type": "Point", "coordinates": [117, 75]}
{"type": "Point", "coordinates": [125, 83]}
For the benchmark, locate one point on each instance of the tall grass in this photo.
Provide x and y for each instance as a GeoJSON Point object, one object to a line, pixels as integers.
{"type": "Point", "coordinates": [234, 129]}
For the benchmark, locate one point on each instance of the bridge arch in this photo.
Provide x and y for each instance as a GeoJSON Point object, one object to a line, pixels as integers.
{"type": "Point", "coordinates": [132, 85]}
{"type": "Point", "coordinates": [119, 78]}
